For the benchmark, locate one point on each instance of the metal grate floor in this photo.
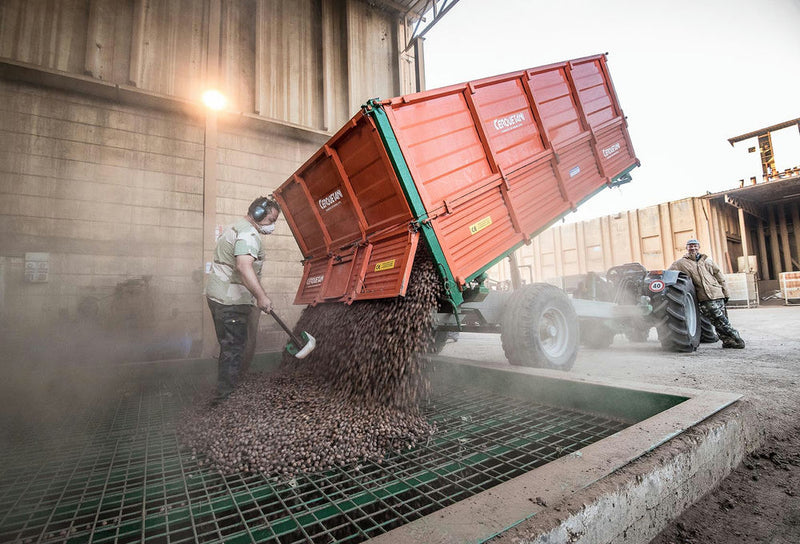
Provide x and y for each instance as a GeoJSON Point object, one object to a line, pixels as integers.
{"type": "Point", "coordinates": [124, 478]}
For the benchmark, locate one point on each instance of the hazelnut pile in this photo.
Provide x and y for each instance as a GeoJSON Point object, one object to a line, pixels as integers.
{"type": "Point", "coordinates": [355, 397]}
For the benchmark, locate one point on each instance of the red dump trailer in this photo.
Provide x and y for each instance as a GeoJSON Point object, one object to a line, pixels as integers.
{"type": "Point", "coordinates": [474, 169]}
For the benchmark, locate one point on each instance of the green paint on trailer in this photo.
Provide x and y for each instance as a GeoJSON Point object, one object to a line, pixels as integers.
{"type": "Point", "coordinates": [413, 198]}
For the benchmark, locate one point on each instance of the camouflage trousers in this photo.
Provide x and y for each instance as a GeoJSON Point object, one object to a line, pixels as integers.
{"type": "Point", "coordinates": [714, 311]}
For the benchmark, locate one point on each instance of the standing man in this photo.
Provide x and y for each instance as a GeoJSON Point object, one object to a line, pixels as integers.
{"type": "Point", "coordinates": [234, 289]}
{"type": "Point", "coordinates": [712, 291]}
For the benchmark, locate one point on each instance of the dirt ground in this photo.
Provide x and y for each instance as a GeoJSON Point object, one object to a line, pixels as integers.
{"type": "Point", "coordinates": [760, 500]}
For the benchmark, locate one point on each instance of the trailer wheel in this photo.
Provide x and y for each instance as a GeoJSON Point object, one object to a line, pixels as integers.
{"type": "Point", "coordinates": [540, 328]}
{"type": "Point", "coordinates": [708, 335]}
{"type": "Point", "coordinates": [677, 317]}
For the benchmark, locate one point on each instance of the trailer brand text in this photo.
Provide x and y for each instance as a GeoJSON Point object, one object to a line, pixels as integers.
{"type": "Point", "coordinates": [331, 200]}
{"type": "Point", "coordinates": [509, 122]}
{"type": "Point", "coordinates": [607, 152]}
{"type": "Point", "coordinates": [315, 280]}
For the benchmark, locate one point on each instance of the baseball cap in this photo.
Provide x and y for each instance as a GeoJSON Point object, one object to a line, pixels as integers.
{"type": "Point", "coordinates": [692, 241]}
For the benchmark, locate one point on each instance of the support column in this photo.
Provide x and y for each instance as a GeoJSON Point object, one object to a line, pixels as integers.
{"type": "Point", "coordinates": [580, 243]}
{"type": "Point", "coordinates": [558, 253]}
{"type": "Point", "coordinates": [787, 252]}
{"type": "Point", "coordinates": [419, 64]}
{"type": "Point", "coordinates": [763, 265]}
{"type": "Point", "coordinates": [328, 62]}
{"type": "Point", "coordinates": [745, 243]}
{"type": "Point", "coordinates": [605, 240]}
{"type": "Point", "coordinates": [210, 171]}
{"type": "Point", "coordinates": [773, 243]}
{"type": "Point", "coordinates": [513, 263]}
{"type": "Point", "coordinates": [137, 42]}
{"type": "Point", "coordinates": [796, 230]}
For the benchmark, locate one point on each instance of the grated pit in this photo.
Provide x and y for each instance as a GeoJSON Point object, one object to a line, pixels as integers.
{"type": "Point", "coordinates": [123, 477]}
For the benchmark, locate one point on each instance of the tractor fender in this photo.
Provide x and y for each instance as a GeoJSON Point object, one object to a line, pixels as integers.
{"type": "Point", "coordinates": [655, 281]}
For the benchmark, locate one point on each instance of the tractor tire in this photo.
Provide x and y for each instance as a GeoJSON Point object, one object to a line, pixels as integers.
{"type": "Point", "coordinates": [540, 328]}
{"type": "Point", "coordinates": [596, 335]}
{"type": "Point", "coordinates": [678, 318]}
{"type": "Point", "coordinates": [708, 335]}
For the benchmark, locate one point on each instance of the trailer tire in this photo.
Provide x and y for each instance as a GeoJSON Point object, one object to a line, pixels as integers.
{"type": "Point", "coordinates": [677, 317]}
{"type": "Point", "coordinates": [540, 328]}
{"type": "Point", "coordinates": [708, 335]}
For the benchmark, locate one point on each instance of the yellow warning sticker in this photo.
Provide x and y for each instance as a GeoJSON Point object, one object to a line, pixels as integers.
{"type": "Point", "coordinates": [385, 265]}
{"type": "Point", "coordinates": [480, 225]}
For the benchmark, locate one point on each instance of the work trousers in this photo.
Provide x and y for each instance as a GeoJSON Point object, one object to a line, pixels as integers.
{"type": "Point", "coordinates": [714, 311]}
{"type": "Point", "coordinates": [231, 325]}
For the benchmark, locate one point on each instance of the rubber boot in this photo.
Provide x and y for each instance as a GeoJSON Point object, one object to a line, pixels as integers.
{"type": "Point", "coordinates": [734, 342]}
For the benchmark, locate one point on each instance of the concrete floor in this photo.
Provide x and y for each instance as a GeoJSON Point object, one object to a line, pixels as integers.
{"type": "Point", "coordinates": [765, 373]}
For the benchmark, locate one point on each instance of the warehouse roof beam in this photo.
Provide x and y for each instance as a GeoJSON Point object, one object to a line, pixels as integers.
{"type": "Point", "coordinates": [424, 13]}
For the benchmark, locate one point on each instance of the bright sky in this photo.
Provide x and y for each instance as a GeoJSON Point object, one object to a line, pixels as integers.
{"type": "Point", "coordinates": [689, 75]}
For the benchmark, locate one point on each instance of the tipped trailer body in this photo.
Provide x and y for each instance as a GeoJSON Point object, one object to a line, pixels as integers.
{"type": "Point", "coordinates": [472, 171]}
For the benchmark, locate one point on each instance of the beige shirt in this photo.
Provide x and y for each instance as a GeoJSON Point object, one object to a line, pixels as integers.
{"type": "Point", "coordinates": [224, 282]}
{"type": "Point", "coordinates": [708, 280]}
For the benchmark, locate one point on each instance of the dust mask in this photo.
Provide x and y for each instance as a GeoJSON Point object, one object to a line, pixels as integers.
{"type": "Point", "coordinates": [266, 229]}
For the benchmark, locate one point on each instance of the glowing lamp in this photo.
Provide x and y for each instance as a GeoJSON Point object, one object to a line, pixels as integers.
{"type": "Point", "coordinates": [214, 99]}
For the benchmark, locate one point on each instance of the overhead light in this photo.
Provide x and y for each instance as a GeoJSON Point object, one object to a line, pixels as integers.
{"type": "Point", "coordinates": [214, 99]}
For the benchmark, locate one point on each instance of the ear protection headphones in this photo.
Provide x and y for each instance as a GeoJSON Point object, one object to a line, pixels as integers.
{"type": "Point", "coordinates": [259, 208]}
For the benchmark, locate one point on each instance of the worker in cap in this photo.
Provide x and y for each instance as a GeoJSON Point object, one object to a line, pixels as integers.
{"type": "Point", "coordinates": [712, 291]}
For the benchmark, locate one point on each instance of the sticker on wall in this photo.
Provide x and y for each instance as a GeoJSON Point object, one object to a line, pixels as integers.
{"type": "Point", "coordinates": [37, 267]}
{"type": "Point", "coordinates": [314, 280]}
{"type": "Point", "coordinates": [575, 171]}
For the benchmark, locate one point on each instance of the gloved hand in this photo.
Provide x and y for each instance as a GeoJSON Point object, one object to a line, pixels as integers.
{"type": "Point", "coordinates": [726, 300]}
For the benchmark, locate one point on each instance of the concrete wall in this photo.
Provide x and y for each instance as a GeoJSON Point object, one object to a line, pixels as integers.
{"type": "Point", "coordinates": [114, 178]}
{"type": "Point", "coordinates": [307, 62]}
{"type": "Point", "coordinates": [114, 193]}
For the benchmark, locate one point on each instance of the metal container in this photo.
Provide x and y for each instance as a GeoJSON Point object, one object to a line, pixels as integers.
{"type": "Point", "coordinates": [476, 169]}
{"type": "Point", "coordinates": [790, 287]}
{"type": "Point", "coordinates": [743, 290]}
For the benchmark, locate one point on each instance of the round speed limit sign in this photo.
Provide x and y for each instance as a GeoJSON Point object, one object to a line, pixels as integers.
{"type": "Point", "coordinates": [657, 286]}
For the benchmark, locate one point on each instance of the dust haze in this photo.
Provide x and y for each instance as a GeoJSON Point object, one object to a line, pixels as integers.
{"type": "Point", "coordinates": [75, 363]}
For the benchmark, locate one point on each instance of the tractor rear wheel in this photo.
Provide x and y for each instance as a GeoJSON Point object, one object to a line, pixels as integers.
{"type": "Point", "coordinates": [540, 328]}
{"type": "Point", "coordinates": [677, 317]}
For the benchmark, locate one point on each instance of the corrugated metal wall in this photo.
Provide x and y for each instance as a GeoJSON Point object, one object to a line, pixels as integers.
{"type": "Point", "coordinates": [111, 190]}
{"type": "Point", "coordinates": [654, 236]}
